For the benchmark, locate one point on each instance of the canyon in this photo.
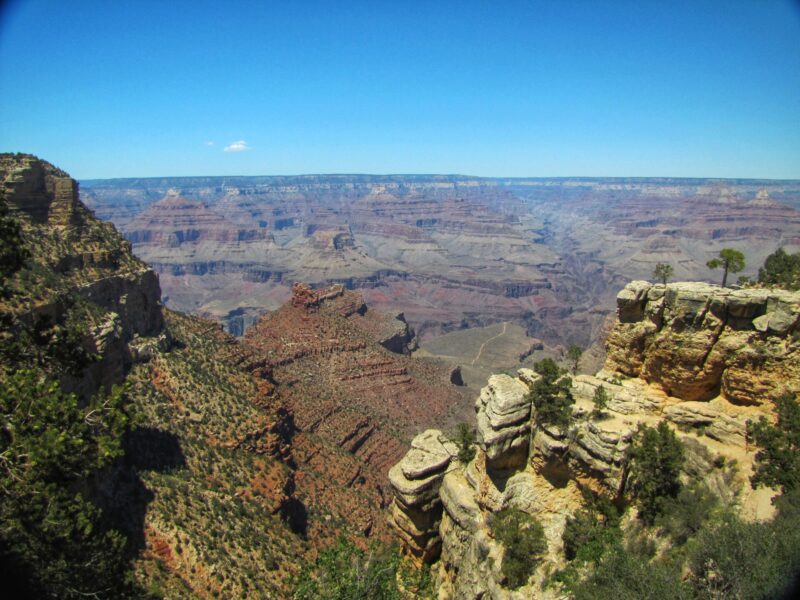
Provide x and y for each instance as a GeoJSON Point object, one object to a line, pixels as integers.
{"type": "Point", "coordinates": [449, 252]}
{"type": "Point", "coordinates": [246, 457]}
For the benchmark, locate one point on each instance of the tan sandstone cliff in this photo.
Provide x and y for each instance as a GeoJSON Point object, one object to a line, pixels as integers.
{"type": "Point", "coordinates": [704, 358]}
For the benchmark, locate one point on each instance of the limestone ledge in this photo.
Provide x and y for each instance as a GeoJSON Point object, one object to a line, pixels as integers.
{"type": "Point", "coordinates": [697, 340]}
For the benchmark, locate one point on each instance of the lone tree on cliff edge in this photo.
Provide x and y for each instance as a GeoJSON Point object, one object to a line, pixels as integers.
{"type": "Point", "coordinates": [730, 260]}
{"type": "Point", "coordinates": [574, 353]}
{"type": "Point", "coordinates": [663, 271]}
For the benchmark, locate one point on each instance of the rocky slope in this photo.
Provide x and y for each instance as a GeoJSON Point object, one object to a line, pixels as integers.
{"type": "Point", "coordinates": [351, 398]}
{"type": "Point", "coordinates": [243, 458]}
{"type": "Point", "coordinates": [702, 358]}
{"type": "Point", "coordinates": [80, 271]}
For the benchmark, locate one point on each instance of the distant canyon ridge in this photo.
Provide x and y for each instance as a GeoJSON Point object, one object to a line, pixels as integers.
{"type": "Point", "coordinates": [449, 252]}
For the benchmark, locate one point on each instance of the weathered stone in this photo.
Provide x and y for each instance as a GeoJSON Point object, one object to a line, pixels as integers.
{"type": "Point", "coordinates": [427, 455]}
{"type": "Point", "coordinates": [707, 341]}
{"type": "Point", "coordinates": [503, 417]}
{"type": "Point", "coordinates": [458, 500]}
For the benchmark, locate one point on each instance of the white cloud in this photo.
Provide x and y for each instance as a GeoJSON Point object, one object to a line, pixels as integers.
{"type": "Point", "coordinates": [209, 143]}
{"type": "Point", "coordinates": [239, 146]}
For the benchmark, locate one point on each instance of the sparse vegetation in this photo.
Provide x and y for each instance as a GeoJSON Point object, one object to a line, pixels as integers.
{"type": "Point", "coordinates": [574, 353]}
{"type": "Point", "coordinates": [465, 440]}
{"type": "Point", "coordinates": [730, 260]}
{"type": "Point", "coordinates": [663, 272]}
{"type": "Point", "coordinates": [13, 252]}
{"type": "Point", "coordinates": [523, 541]}
{"type": "Point", "coordinates": [344, 572]}
{"type": "Point", "coordinates": [551, 395]}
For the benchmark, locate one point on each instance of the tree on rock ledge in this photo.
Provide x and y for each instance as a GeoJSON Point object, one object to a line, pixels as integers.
{"type": "Point", "coordinates": [663, 272]}
{"type": "Point", "coordinates": [730, 260]}
{"type": "Point", "coordinates": [551, 394]}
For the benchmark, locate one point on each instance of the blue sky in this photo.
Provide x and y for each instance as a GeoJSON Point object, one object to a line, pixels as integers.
{"type": "Point", "coordinates": [559, 88]}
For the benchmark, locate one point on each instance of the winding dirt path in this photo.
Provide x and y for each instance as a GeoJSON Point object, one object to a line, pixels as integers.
{"type": "Point", "coordinates": [483, 345]}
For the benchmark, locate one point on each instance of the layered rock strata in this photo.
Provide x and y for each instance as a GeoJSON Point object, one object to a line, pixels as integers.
{"type": "Point", "coordinates": [682, 353]}
{"type": "Point", "coordinates": [416, 508]}
{"type": "Point", "coordinates": [93, 278]}
{"type": "Point", "coordinates": [697, 341]}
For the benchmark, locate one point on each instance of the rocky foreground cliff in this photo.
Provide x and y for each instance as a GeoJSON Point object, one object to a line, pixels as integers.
{"type": "Point", "coordinates": [703, 359]}
{"type": "Point", "coordinates": [225, 465]}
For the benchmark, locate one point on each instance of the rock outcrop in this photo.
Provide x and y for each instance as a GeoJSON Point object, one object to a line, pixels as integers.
{"type": "Point", "coordinates": [504, 414]}
{"type": "Point", "coordinates": [416, 509]}
{"type": "Point", "coordinates": [93, 282]}
{"type": "Point", "coordinates": [683, 354]}
{"type": "Point", "coordinates": [697, 341]}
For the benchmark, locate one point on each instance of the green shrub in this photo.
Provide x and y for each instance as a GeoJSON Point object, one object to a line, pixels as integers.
{"type": "Point", "coordinates": [590, 531]}
{"type": "Point", "coordinates": [523, 540]}
{"type": "Point", "coordinates": [685, 514]}
{"type": "Point", "coordinates": [344, 572]}
{"type": "Point", "coordinates": [51, 447]}
{"type": "Point", "coordinates": [574, 353]}
{"type": "Point", "coordinates": [733, 559]}
{"type": "Point", "coordinates": [656, 458]}
{"type": "Point", "coordinates": [465, 440]}
{"type": "Point", "coordinates": [13, 253]}
{"type": "Point", "coordinates": [781, 269]}
{"type": "Point", "coordinates": [551, 395]}
{"type": "Point", "coordinates": [600, 401]}
{"type": "Point", "coordinates": [778, 459]}
{"type": "Point", "coordinates": [622, 575]}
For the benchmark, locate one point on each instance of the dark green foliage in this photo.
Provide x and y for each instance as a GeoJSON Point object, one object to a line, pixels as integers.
{"type": "Point", "coordinates": [781, 269]}
{"type": "Point", "coordinates": [656, 458]}
{"type": "Point", "coordinates": [523, 540]}
{"type": "Point", "coordinates": [685, 514]}
{"type": "Point", "coordinates": [734, 559]}
{"type": "Point", "coordinates": [778, 459]}
{"type": "Point", "coordinates": [50, 448]}
{"type": "Point", "coordinates": [465, 440]}
{"type": "Point", "coordinates": [345, 572]}
{"type": "Point", "coordinates": [600, 400]}
{"type": "Point", "coordinates": [56, 348]}
{"type": "Point", "coordinates": [12, 250]}
{"type": "Point", "coordinates": [731, 261]}
{"type": "Point", "coordinates": [590, 531]}
{"type": "Point", "coordinates": [623, 575]}
{"type": "Point", "coordinates": [663, 272]}
{"type": "Point", "coordinates": [551, 395]}
{"type": "Point", "coordinates": [574, 353]}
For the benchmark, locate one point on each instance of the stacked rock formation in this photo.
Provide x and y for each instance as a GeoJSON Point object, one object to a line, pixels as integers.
{"type": "Point", "coordinates": [416, 507]}
{"type": "Point", "coordinates": [702, 358]}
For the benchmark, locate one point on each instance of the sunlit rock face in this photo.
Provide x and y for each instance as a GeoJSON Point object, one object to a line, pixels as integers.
{"type": "Point", "coordinates": [697, 341]}
{"type": "Point", "coordinates": [704, 359]}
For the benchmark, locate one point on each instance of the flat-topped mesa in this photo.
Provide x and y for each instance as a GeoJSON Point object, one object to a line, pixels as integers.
{"type": "Point", "coordinates": [416, 508]}
{"type": "Point", "coordinates": [698, 341]}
